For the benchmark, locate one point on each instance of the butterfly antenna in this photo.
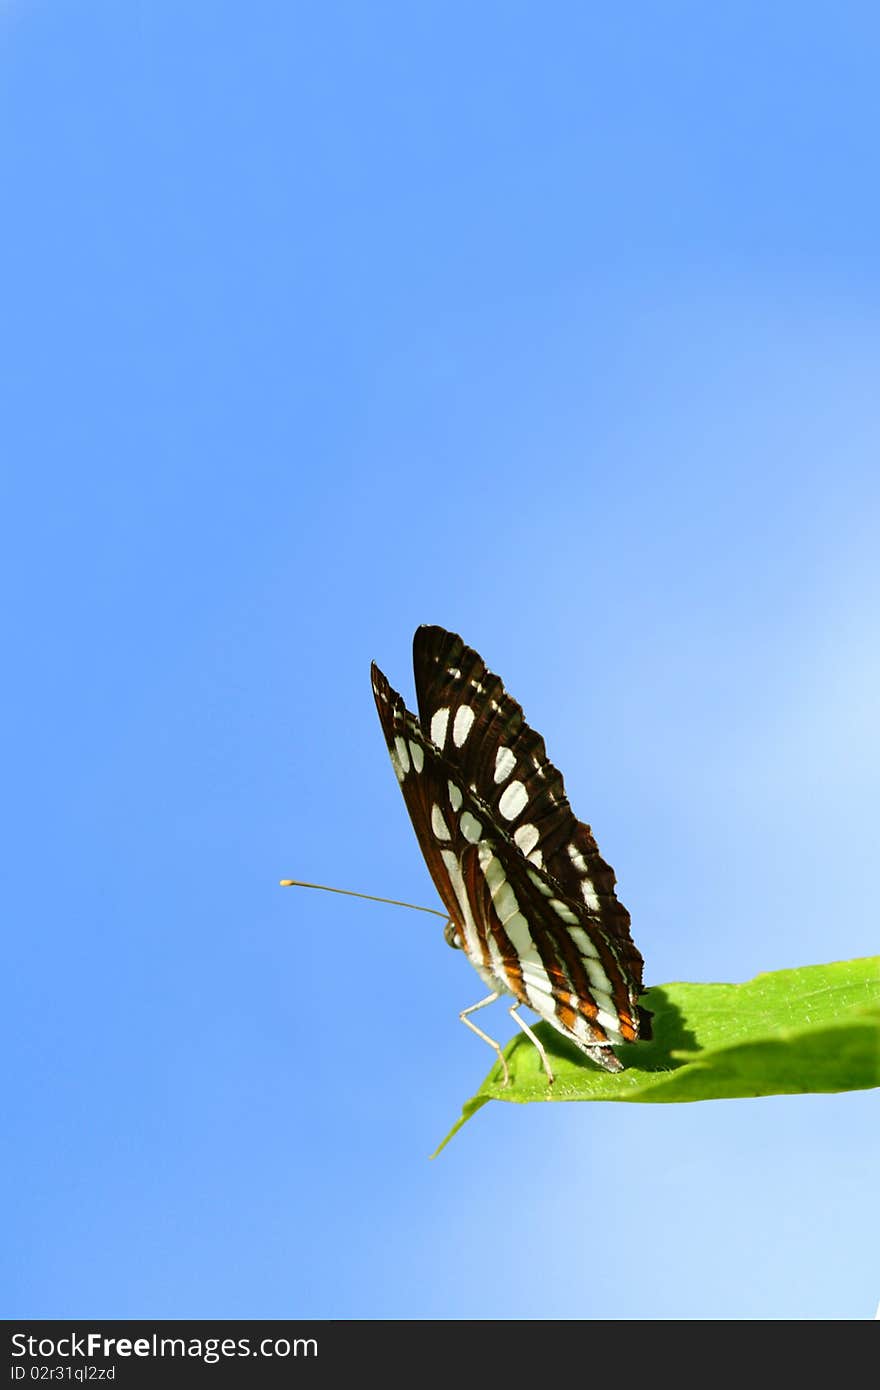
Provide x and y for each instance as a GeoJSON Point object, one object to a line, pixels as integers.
{"type": "Point", "coordinates": [395, 902]}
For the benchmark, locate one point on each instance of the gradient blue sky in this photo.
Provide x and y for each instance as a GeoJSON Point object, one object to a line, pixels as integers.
{"type": "Point", "coordinates": [556, 325]}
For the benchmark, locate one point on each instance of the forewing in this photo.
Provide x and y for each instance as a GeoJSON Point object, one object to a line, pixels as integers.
{"type": "Point", "coordinates": [432, 800]}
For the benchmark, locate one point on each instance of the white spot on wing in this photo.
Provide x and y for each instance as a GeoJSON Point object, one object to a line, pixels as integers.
{"type": "Point", "coordinates": [526, 837]}
{"type": "Point", "coordinates": [536, 858]}
{"type": "Point", "coordinates": [493, 870]}
{"type": "Point", "coordinates": [539, 990]}
{"type": "Point", "coordinates": [438, 824]}
{"type": "Point", "coordinates": [471, 937]}
{"type": "Point", "coordinates": [583, 943]}
{"type": "Point", "coordinates": [514, 799]}
{"type": "Point", "coordinates": [589, 895]}
{"type": "Point", "coordinates": [611, 1025]}
{"type": "Point", "coordinates": [505, 902]}
{"type": "Point", "coordinates": [505, 762]}
{"type": "Point", "coordinates": [562, 911]}
{"type": "Point", "coordinates": [517, 929]}
{"type": "Point", "coordinates": [454, 673]}
{"type": "Point", "coordinates": [464, 718]}
{"type": "Point", "coordinates": [471, 828]}
{"type": "Point", "coordinates": [604, 1000]}
{"type": "Point", "coordinates": [598, 979]}
{"type": "Point", "coordinates": [455, 796]}
{"type": "Point", "coordinates": [439, 724]}
{"type": "Point", "coordinates": [541, 885]}
{"type": "Point", "coordinates": [496, 962]}
{"type": "Point", "coordinates": [577, 859]}
{"type": "Point", "coordinates": [402, 753]}
{"type": "Point", "coordinates": [418, 755]}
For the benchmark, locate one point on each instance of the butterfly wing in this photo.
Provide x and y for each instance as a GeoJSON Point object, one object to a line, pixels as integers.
{"type": "Point", "coordinates": [483, 732]}
{"type": "Point", "coordinates": [523, 930]}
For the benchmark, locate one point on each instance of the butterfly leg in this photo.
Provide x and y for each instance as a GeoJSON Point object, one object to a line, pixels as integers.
{"type": "Point", "coordinates": [529, 1034]}
{"type": "Point", "coordinates": [490, 999]}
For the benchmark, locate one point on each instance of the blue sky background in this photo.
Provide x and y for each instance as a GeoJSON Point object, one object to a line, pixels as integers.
{"type": "Point", "coordinates": [556, 325]}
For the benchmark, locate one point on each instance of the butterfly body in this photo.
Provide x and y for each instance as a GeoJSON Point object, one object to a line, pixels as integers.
{"type": "Point", "coordinates": [530, 900]}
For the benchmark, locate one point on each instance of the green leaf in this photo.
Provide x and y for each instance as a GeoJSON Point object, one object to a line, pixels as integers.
{"type": "Point", "coordinates": [812, 1029]}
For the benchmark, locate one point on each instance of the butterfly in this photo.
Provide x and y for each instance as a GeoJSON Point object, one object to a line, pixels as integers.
{"type": "Point", "coordinates": [531, 902]}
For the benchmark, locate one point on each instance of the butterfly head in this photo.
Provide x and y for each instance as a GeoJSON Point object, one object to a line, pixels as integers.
{"type": "Point", "coordinates": [452, 935]}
